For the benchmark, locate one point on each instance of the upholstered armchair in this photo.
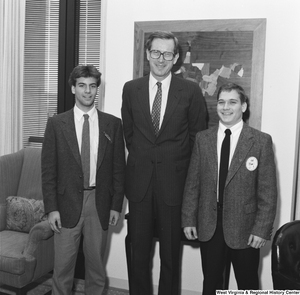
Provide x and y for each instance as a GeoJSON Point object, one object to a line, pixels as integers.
{"type": "Point", "coordinates": [26, 239]}
{"type": "Point", "coordinates": [286, 257]}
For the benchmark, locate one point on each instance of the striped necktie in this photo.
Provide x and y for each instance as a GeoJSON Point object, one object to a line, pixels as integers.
{"type": "Point", "coordinates": [156, 109]}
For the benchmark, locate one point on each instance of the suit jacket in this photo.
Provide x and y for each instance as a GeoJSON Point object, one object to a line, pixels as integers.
{"type": "Point", "coordinates": [250, 196]}
{"type": "Point", "coordinates": [62, 176]}
{"type": "Point", "coordinates": [170, 151]}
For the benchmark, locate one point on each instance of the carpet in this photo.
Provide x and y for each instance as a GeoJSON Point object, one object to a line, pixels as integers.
{"type": "Point", "coordinates": [43, 286]}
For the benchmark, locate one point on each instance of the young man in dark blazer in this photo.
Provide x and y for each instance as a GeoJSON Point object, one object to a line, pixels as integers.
{"type": "Point", "coordinates": [159, 150]}
{"type": "Point", "coordinates": [82, 195]}
{"type": "Point", "coordinates": [238, 219]}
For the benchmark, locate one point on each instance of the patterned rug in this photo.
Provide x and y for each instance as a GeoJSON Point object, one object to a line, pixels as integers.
{"type": "Point", "coordinates": [43, 286]}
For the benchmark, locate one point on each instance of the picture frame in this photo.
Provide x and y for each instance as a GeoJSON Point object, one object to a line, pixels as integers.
{"type": "Point", "coordinates": [213, 52]}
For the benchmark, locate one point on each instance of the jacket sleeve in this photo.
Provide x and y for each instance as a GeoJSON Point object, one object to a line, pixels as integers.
{"type": "Point", "coordinates": [197, 113]}
{"type": "Point", "coordinates": [118, 169]}
{"type": "Point", "coordinates": [192, 189]}
{"type": "Point", "coordinates": [49, 169]}
{"type": "Point", "coordinates": [266, 191]}
{"type": "Point", "coordinates": [127, 116]}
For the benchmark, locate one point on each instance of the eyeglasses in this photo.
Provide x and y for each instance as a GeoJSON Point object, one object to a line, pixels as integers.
{"type": "Point", "coordinates": [166, 55]}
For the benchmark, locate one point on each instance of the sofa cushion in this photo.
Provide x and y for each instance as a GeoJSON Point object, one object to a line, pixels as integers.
{"type": "Point", "coordinates": [12, 259]}
{"type": "Point", "coordinates": [22, 213]}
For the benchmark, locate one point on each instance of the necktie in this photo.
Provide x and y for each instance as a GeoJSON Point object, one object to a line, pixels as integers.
{"type": "Point", "coordinates": [225, 150]}
{"type": "Point", "coordinates": [156, 109]}
{"type": "Point", "coordinates": [85, 151]}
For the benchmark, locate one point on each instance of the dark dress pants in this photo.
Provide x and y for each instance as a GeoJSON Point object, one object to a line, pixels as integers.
{"type": "Point", "coordinates": [214, 254]}
{"type": "Point", "coordinates": [168, 223]}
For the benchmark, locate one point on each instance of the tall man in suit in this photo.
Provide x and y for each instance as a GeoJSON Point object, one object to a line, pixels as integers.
{"type": "Point", "coordinates": [83, 165]}
{"type": "Point", "coordinates": [159, 154]}
{"type": "Point", "coordinates": [238, 219]}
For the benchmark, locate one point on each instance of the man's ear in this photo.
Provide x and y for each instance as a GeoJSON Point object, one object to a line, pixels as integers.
{"type": "Point", "coordinates": [175, 58]}
{"type": "Point", "coordinates": [148, 54]}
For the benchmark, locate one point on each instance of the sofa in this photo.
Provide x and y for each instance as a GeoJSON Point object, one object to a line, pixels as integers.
{"type": "Point", "coordinates": [286, 257]}
{"type": "Point", "coordinates": [26, 239]}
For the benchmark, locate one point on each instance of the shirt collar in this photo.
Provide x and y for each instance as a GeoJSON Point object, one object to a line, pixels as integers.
{"type": "Point", "coordinates": [79, 113]}
{"type": "Point", "coordinates": [165, 82]}
{"type": "Point", "coordinates": [238, 126]}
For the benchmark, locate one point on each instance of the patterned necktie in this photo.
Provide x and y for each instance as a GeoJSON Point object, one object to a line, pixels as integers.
{"type": "Point", "coordinates": [156, 109]}
{"type": "Point", "coordinates": [85, 151]}
{"type": "Point", "coordinates": [225, 150]}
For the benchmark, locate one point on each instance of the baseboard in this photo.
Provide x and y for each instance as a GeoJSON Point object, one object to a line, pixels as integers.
{"type": "Point", "coordinates": [189, 292]}
{"type": "Point", "coordinates": [118, 283]}
{"type": "Point", "coordinates": [123, 284]}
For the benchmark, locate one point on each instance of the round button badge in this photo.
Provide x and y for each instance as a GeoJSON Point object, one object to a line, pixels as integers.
{"type": "Point", "coordinates": [251, 163]}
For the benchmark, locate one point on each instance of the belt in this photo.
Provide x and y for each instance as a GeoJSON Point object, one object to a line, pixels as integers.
{"type": "Point", "coordinates": [89, 188]}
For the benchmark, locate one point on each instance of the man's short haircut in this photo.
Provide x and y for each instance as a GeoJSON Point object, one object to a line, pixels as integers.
{"type": "Point", "coordinates": [162, 35]}
{"type": "Point", "coordinates": [85, 71]}
{"type": "Point", "coordinates": [228, 87]}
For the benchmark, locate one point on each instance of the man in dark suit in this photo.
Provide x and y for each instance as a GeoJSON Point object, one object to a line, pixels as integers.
{"type": "Point", "coordinates": [238, 219]}
{"type": "Point", "coordinates": [159, 138]}
{"type": "Point", "coordinates": [83, 165]}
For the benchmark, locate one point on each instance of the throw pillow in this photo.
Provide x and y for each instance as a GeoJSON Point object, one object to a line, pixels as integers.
{"type": "Point", "coordinates": [23, 214]}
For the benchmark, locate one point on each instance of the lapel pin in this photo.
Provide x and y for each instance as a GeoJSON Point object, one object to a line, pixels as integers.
{"type": "Point", "coordinates": [107, 136]}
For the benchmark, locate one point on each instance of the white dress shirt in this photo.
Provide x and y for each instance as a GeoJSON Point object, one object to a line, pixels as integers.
{"type": "Point", "coordinates": [94, 137]}
{"type": "Point", "coordinates": [165, 85]}
{"type": "Point", "coordinates": [234, 137]}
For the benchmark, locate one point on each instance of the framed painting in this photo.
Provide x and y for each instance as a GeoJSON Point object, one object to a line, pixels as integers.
{"type": "Point", "coordinates": [213, 52]}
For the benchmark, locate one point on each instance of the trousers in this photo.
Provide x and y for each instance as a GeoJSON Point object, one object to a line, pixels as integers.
{"type": "Point", "coordinates": [66, 246]}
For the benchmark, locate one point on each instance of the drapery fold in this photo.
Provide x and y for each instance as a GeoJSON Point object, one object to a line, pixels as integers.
{"type": "Point", "coordinates": [12, 32]}
{"type": "Point", "coordinates": [296, 203]}
{"type": "Point", "coordinates": [297, 195]}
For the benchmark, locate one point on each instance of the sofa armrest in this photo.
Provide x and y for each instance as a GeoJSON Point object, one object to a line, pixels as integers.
{"type": "Point", "coordinates": [2, 217]}
{"type": "Point", "coordinates": [41, 231]}
{"type": "Point", "coordinates": [10, 171]}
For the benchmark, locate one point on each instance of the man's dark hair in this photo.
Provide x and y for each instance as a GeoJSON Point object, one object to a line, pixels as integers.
{"type": "Point", "coordinates": [85, 71]}
{"type": "Point", "coordinates": [232, 86]}
{"type": "Point", "coordinates": [162, 35]}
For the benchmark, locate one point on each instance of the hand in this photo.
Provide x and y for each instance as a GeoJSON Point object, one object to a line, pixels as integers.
{"type": "Point", "coordinates": [114, 217]}
{"type": "Point", "coordinates": [256, 242]}
{"type": "Point", "coordinates": [190, 232]}
{"type": "Point", "coordinates": [54, 221]}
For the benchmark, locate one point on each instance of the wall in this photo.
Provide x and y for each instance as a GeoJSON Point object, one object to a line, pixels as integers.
{"type": "Point", "coordinates": [280, 100]}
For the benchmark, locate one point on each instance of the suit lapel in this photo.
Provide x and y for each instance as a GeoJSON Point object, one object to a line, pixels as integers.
{"type": "Point", "coordinates": [143, 99]}
{"type": "Point", "coordinates": [213, 154]}
{"type": "Point", "coordinates": [173, 100]}
{"type": "Point", "coordinates": [104, 137]}
{"type": "Point", "coordinates": [68, 127]}
{"type": "Point", "coordinates": [244, 144]}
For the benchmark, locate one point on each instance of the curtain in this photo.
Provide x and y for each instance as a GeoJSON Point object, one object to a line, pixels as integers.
{"type": "Point", "coordinates": [296, 213]}
{"type": "Point", "coordinates": [12, 23]}
{"type": "Point", "coordinates": [297, 195]}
